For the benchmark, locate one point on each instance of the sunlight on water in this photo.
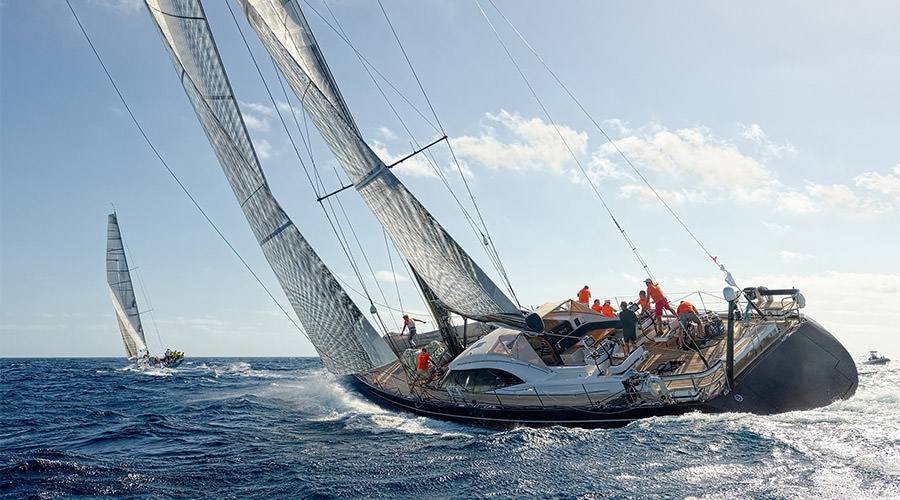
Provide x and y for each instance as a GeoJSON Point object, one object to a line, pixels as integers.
{"type": "Point", "coordinates": [101, 428]}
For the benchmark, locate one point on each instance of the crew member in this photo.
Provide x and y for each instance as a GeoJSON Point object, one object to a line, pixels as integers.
{"type": "Point", "coordinates": [643, 302]}
{"type": "Point", "coordinates": [410, 323]}
{"type": "Point", "coordinates": [422, 370]}
{"type": "Point", "coordinates": [607, 310]}
{"type": "Point", "coordinates": [597, 307]}
{"type": "Point", "coordinates": [687, 312]}
{"type": "Point", "coordinates": [660, 302]}
{"type": "Point", "coordinates": [584, 296]}
{"type": "Point", "coordinates": [629, 327]}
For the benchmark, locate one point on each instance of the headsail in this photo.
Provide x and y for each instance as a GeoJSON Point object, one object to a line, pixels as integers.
{"type": "Point", "coordinates": [456, 280]}
{"type": "Point", "coordinates": [345, 340]}
{"type": "Point", "coordinates": [122, 291]}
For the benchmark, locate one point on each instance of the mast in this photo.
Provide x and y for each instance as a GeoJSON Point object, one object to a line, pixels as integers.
{"type": "Point", "coordinates": [441, 317]}
{"type": "Point", "coordinates": [342, 336]}
{"type": "Point", "coordinates": [457, 282]}
{"type": "Point", "coordinates": [118, 277]}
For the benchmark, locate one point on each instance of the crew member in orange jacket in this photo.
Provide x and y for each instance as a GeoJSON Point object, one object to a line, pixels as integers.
{"type": "Point", "coordinates": [597, 307]}
{"type": "Point", "coordinates": [607, 310]}
{"type": "Point", "coordinates": [422, 370]}
{"type": "Point", "coordinates": [687, 312]}
{"type": "Point", "coordinates": [584, 296]}
{"type": "Point", "coordinates": [660, 302]}
{"type": "Point", "coordinates": [643, 302]}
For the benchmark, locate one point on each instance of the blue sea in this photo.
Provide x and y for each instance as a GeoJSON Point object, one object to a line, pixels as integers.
{"type": "Point", "coordinates": [285, 428]}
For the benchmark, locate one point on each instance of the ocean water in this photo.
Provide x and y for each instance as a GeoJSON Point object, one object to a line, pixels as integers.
{"type": "Point", "coordinates": [285, 428]}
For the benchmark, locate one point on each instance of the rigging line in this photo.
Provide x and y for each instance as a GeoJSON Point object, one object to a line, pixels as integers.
{"type": "Point", "coordinates": [367, 62]}
{"type": "Point", "coordinates": [566, 143]}
{"type": "Point", "coordinates": [591, 118]}
{"type": "Point", "coordinates": [491, 252]}
{"type": "Point", "coordinates": [296, 151]}
{"type": "Point", "coordinates": [175, 177]}
{"type": "Point", "coordinates": [361, 250]}
{"type": "Point", "coordinates": [416, 146]}
{"type": "Point", "coordinates": [488, 246]}
{"type": "Point", "coordinates": [387, 248]}
{"type": "Point", "coordinates": [144, 293]}
{"type": "Point", "coordinates": [488, 239]}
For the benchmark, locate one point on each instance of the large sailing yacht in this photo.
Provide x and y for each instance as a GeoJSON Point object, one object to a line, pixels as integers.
{"type": "Point", "coordinates": [558, 364]}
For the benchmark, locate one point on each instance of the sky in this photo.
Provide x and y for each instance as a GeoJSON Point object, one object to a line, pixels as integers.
{"type": "Point", "coordinates": [769, 128]}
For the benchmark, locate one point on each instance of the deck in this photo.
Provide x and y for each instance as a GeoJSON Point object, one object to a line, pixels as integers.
{"type": "Point", "coordinates": [394, 378]}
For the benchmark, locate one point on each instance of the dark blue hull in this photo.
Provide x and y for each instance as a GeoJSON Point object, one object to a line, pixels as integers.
{"type": "Point", "coordinates": [807, 369]}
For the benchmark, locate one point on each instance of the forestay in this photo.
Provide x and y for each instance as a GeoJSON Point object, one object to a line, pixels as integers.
{"type": "Point", "coordinates": [345, 340]}
{"type": "Point", "coordinates": [457, 281]}
{"type": "Point", "coordinates": [122, 291]}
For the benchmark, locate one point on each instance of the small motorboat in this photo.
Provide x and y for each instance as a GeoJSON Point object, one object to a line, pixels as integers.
{"type": "Point", "coordinates": [875, 359]}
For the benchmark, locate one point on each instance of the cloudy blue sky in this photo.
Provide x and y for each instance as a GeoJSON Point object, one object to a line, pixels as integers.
{"type": "Point", "coordinates": [770, 128]}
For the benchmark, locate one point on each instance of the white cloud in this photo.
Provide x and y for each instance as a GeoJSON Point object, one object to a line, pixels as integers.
{"type": "Point", "coordinates": [695, 156]}
{"type": "Point", "coordinates": [126, 6]}
{"type": "Point", "coordinates": [766, 146]}
{"type": "Point", "coordinates": [888, 184]}
{"type": "Point", "coordinates": [795, 202]}
{"type": "Point", "coordinates": [512, 142]}
{"type": "Point", "coordinates": [263, 148]}
{"type": "Point", "coordinates": [255, 123]}
{"type": "Point", "coordinates": [256, 115]}
{"type": "Point", "coordinates": [255, 107]}
{"type": "Point", "coordinates": [389, 277]}
{"type": "Point", "coordinates": [644, 194]}
{"type": "Point", "coordinates": [387, 134]}
{"type": "Point", "coordinates": [787, 256]}
{"type": "Point", "coordinates": [706, 168]}
{"type": "Point", "coordinates": [841, 196]}
{"type": "Point", "coordinates": [417, 166]}
{"type": "Point", "coordinates": [778, 228]}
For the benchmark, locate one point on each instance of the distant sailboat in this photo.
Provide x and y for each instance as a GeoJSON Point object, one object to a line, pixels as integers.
{"type": "Point", "coordinates": [118, 276]}
{"type": "Point", "coordinates": [554, 365]}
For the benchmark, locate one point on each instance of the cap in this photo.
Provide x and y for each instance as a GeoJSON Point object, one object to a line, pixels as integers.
{"type": "Point", "coordinates": [648, 281]}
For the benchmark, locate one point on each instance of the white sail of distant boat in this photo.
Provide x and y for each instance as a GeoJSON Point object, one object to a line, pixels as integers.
{"type": "Point", "coordinates": [457, 282]}
{"type": "Point", "coordinates": [346, 341]}
{"type": "Point", "coordinates": [122, 291]}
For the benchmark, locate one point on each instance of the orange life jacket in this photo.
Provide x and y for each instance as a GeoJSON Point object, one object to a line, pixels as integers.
{"type": "Point", "coordinates": [608, 311]}
{"type": "Point", "coordinates": [584, 296]}
{"type": "Point", "coordinates": [655, 292]}
{"type": "Point", "coordinates": [424, 358]}
{"type": "Point", "coordinates": [686, 307]}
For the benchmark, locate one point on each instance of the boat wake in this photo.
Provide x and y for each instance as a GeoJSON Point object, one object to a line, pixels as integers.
{"type": "Point", "coordinates": [153, 371]}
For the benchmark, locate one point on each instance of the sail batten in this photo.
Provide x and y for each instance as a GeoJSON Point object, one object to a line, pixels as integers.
{"type": "Point", "coordinates": [343, 337]}
{"type": "Point", "coordinates": [121, 289]}
{"type": "Point", "coordinates": [458, 283]}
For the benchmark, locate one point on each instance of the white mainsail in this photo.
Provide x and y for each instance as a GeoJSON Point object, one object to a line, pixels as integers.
{"type": "Point", "coordinates": [122, 291]}
{"type": "Point", "coordinates": [457, 281]}
{"type": "Point", "coordinates": [345, 340]}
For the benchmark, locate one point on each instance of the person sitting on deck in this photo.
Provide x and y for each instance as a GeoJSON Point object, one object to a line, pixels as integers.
{"type": "Point", "coordinates": [584, 295]}
{"type": "Point", "coordinates": [629, 327]}
{"type": "Point", "coordinates": [607, 310]}
{"type": "Point", "coordinates": [410, 323]}
{"type": "Point", "coordinates": [597, 307]}
{"type": "Point", "coordinates": [660, 302]}
{"type": "Point", "coordinates": [687, 312]}
{"type": "Point", "coordinates": [422, 370]}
